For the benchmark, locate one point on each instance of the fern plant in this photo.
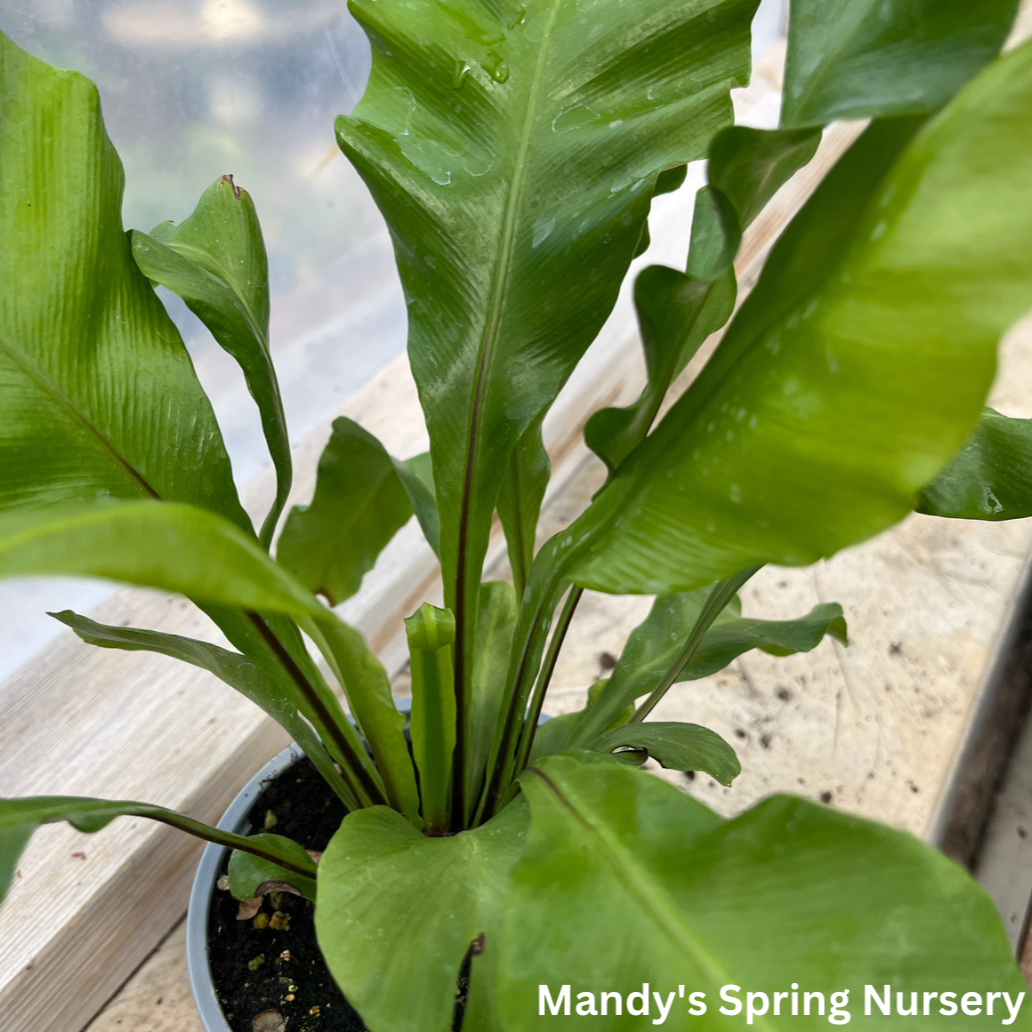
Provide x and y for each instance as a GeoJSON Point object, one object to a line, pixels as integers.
{"type": "Point", "coordinates": [514, 149]}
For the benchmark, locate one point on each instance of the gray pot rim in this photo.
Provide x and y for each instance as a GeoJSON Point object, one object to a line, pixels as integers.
{"type": "Point", "coordinates": [234, 819]}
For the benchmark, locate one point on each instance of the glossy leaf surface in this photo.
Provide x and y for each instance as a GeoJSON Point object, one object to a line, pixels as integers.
{"type": "Point", "coordinates": [990, 478]}
{"type": "Point", "coordinates": [215, 261]}
{"type": "Point", "coordinates": [265, 685]}
{"type": "Point", "coordinates": [98, 397]}
{"type": "Point", "coordinates": [877, 58]}
{"type": "Point", "coordinates": [360, 503]}
{"type": "Point", "coordinates": [513, 149]}
{"type": "Point", "coordinates": [19, 818]}
{"type": "Point", "coordinates": [399, 965]}
{"type": "Point", "coordinates": [788, 887]}
{"type": "Point", "coordinates": [676, 746]}
{"type": "Point", "coordinates": [854, 371]}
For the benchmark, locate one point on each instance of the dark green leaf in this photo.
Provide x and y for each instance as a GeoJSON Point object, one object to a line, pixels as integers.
{"type": "Point", "coordinates": [790, 892]}
{"type": "Point", "coordinates": [876, 58]}
{"type": "Point", "coordinates": [553, 735]}
{"type": "Point", "coordinates": [748, 166]}
{"type": "Point", "coordinates": [990, 478]}
{"type": "Point", "coordinates": [431, 635]}
{"type": "Point", "coordinates": [265, 685]}
{"type": "Point", "coordinates": [98, 397]}
{"type": "Point", "coordinates": [676, 746]}
{"type": "Point", "coordinates": [215, 261]}
{"type": "Point", "coordinates": [360, 503]}
{"type": "Point", "coordinates": [654, 646]}
{"type": "Point", "coordinates": [511, 147]}
{"type": "Point", "coordinates": [248, 872]}
{"type": "Point", "coordinates": [675, 315]}
{"type": "Point", "coordinates": [19, 818]}
{"type": "Point", "coordinates": [853, 372]}
{"type": "Point", "coordinates": [398, 964]}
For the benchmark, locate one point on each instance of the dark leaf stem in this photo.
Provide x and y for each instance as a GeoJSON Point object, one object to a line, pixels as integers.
{"type": "Point", "coordinates": [722, 593]}
{"type": "Point", "coordinates": [547, 669]}
{"type": "Point", "coordinates": [226, 838]}
{"type": "Point", "coordinates": [366, 790]}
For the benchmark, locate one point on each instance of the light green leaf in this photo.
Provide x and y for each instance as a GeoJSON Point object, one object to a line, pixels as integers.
{"type": "Point", "coordinates": [215, 261]}
{"type": "Point", "coordinates": [177, 548]}
{"type": "Point", "coordinates": [368, 691]}
{"type": "Point", "coordinates": [417, 477]}
{"type": "Point", "coordinates": [676, 746]}
{"type": "Point", "coordinates": [266, 684]}
{"type": "Point", "coordinates": [519, 502]}
{"type": "Point", "coordinates": [787, 888]}
{"type": "Point", "coordinates": [431, 635]}
{"type": "Point", "coordinates": [398, 965]}
{"type": "Point", "coordinates": [360, 503]}
{"type": "Point", "coordinates": [853, 372]}
{"type": "Point", "coordinates": [496, 625]}
{"type": "Point", "coordinates": [511, 147]}
{"type": "Point", "coordinates": [990, 478]}
{"type": "Point", "coordinates": [19, 818]}
{"type": "Point", "coordinates": [98, 397]}
{"type": "Point", "coordinates": [878, 58]}
{"type": "Point", "coordinates": [248, 872]}
{"type": "Point", "coordinates": [675, 316]}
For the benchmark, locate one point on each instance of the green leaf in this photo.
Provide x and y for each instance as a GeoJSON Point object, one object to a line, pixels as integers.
{"type": "Point", "coordinates": [266, 685]}
{"type": "Point", "coordinates": [19, 818]}
{"type": "Point", "coordinates": [398, 964]}
{"type": "Point", "coordinates": [654, 646]}
{"type": "Point", "coordinates": [417, 477]}
{"type": "Point", "coordinates": [676, 746]}
{"type": "Point", "coordinates": [748, 166]}
{"type": "Point", "coordinates": [247, 872]}
{"type": "Point", "coordinates": [98, 397]}
{"type": "Point", "coordinates": [215, 261]}
{"type": "Point", "coordinates": [177, 548]}
{"type": "Point", "coordinates": [790, 892]}
{"type": "Point", "coordinates": [360, 503]}
{"type": "Point", "coordinates": [496, 625]}
{"type": "Point", "coordinates": [878, 58]}
{"type": "Point", "coordinates": [511, 147]}
{"type": "Point", "coordinates": [675, 316]}
{"type": "Point", "coordinates": [990, 478]}
{"type": "Point", "coordinates": [195, 553]}
{"type": "Point", "coordinates": [368, 691]}
{"type": "Point", "coordinates": [552, 736]}
{"type": "Point", "coordinates": [855, 369]}
{"type": "Point", "coordinates": [431, 635]}
{"type": "Point", "coordinates": [519, 502]}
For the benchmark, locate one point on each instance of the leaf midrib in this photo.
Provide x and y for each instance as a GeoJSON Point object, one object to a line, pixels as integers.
{"type": "Point", "coordinates": [657, 904]}
{"type": "Point", "coordinates": [47, 386]}
{"type": "Point", "coordinates": [500, 283]}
